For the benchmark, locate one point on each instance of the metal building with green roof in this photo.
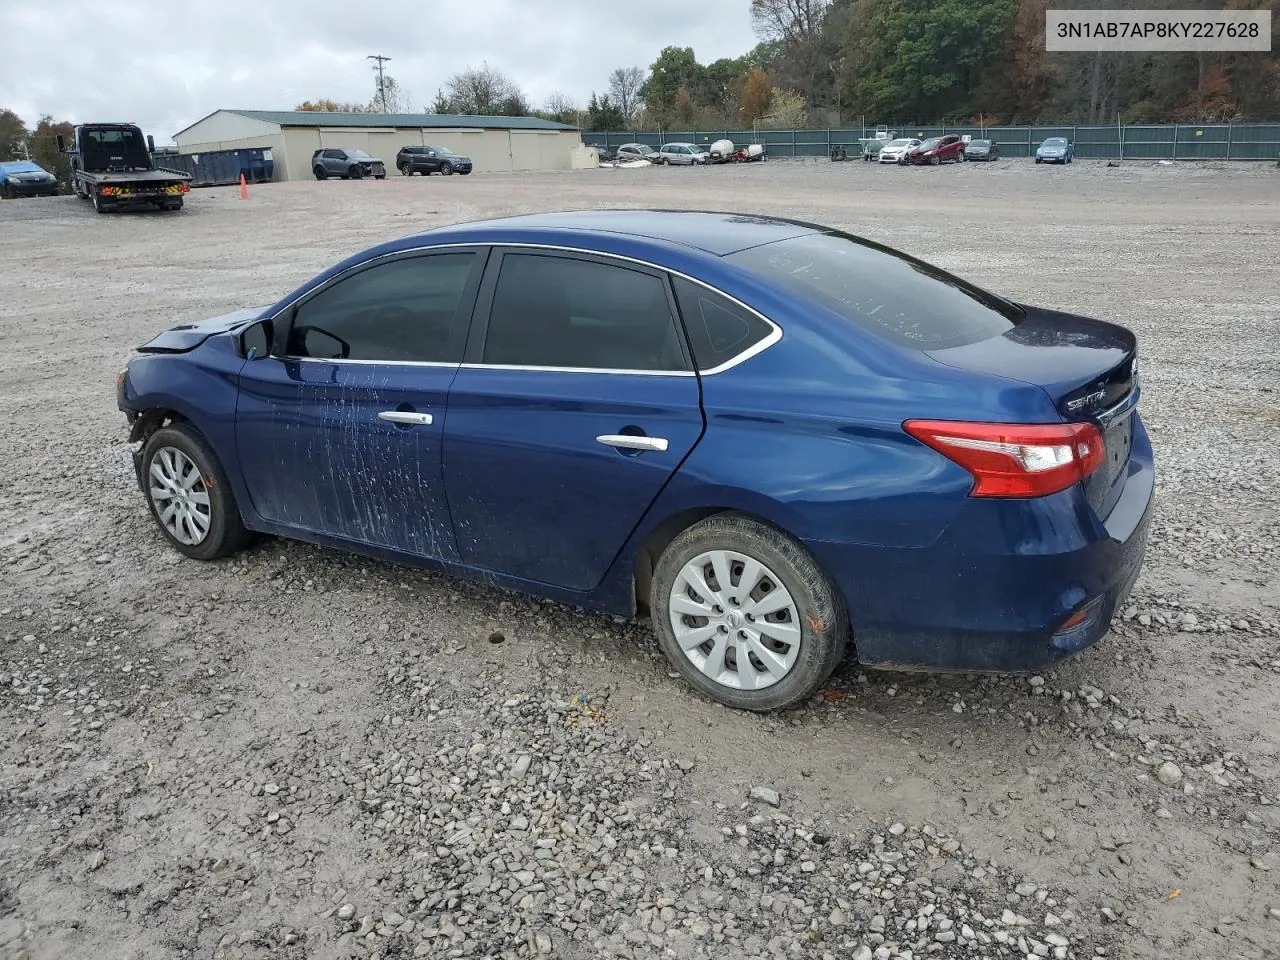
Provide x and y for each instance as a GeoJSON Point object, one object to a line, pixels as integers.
{"type": "Point", "coordinates": [502, 144]}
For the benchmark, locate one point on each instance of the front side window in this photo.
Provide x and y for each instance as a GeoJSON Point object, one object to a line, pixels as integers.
{"type": "Point", "coordinates": [903, 300]}
{"type": "Point", "coordinates": [553, 311]}
{"type": "Point", "coordinates": [402, 310]}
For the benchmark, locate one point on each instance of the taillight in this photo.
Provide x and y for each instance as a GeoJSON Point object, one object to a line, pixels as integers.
{"type": "Point", "coordinates": [1015, 460]}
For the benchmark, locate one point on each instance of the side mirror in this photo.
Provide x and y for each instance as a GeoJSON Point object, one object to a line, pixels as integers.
{"type": "Point", "coordinates": [255, 342]}
{"type": "Point", "coordinates": [151, 143]}
{"type": "Point", "coordinates": [62, 144]}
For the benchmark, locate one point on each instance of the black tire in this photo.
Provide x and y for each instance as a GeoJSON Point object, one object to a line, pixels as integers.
{"type": "Point", "coordinates": [100, 205]}
{"type": "Point", "coordinates": [226, 534]}
{"type": "Point", "coordinates": [173, 205]}
{"type": "Point", "coordinates": [935, 160]}
{"type": "Point", "coordinates": [320, 173]}
{"type": "Point", "coordinates": [380, 176]}
{"type": "Point", "coordinates": [1037, 159]}
{"type": "Point", "coordinates": [464, 173]}
{"type": "Point", "coordinates": [406, 170]}
{"type": "Point", "coordinates": [823, 622]}
{"type": "Point", "coordinates": [355, 173]}
{"type": "Point", "coordinates": [446, 168]}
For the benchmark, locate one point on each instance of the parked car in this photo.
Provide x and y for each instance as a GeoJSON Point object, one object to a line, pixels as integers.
{"type": "Point", "coordinates": [895, 151]}
{"type": "Point", "coordinates": [982, 150]}
{"type": "Point", "coordinates": [346, 162]}
{"type": "Point", "coordinates": [1056, 150]}
{"type": "Point", "coordinates": [937, 150]}
{"type": "Point", "coordinates": [22, 178]}
{"type": "Point", "coordinates": [431, 159]}
{"type": "Point", "coordinates": [604, 153]}
{"type": "Point", "coordinates": [682, 153]}
{"type": "Point", "coordinates": [752, 471]}
{"type": "Point", "coordinates": [636, 151]}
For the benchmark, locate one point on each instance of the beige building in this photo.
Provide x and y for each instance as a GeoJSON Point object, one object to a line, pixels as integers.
{"type": "Point", "coordinates": [501, 144]}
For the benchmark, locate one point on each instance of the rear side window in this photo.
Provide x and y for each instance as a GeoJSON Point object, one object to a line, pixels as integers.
{"type": "Point", "coordinates": [718, 328]}
{"type": "Point", "coordinates": [903, 300]}
{"type": "Point", "coordinates": [403, 310]}
{"type": "Point", "coordinates": [551, 311]}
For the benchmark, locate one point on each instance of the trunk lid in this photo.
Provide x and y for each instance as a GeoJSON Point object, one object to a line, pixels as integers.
{"type": "Point", "coordinates": [1087, 367]}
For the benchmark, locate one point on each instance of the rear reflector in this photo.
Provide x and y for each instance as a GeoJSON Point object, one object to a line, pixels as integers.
{"type": "Point", "coordinates": [1015, 460]}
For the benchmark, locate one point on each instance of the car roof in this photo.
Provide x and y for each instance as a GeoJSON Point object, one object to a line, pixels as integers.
{"type": "Point", "coordinates": [714, 232]}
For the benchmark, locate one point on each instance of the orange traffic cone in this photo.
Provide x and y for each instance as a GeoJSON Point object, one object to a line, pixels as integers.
{"type": "Point", "coordinates": [244, 188]}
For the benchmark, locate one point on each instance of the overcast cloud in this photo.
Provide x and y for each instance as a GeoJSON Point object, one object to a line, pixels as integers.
{"type": "Point", "coordinates": [164, 65]}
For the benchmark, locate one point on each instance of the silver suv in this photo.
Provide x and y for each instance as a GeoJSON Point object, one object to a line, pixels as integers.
{"type": "Point", "coordinates": [687, 153]}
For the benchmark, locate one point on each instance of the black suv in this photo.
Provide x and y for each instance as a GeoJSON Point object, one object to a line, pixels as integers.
{"type": "Point", "coordinates": [345, 162]}
{"type": "Point", "coordinates": [429, 160]}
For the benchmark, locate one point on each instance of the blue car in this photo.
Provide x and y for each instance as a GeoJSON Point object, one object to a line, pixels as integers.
{"type": "Point", "coordinates": [775, 439]}
{"type": "Point", "coordinates": [22, 178]}
{"type": "Point", "coordinates": [1056, 150]}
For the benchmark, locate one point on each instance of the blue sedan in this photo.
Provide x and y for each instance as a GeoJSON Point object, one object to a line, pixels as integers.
{"type": "Point", "coordinates": [775, 439]}
{"type": "Point", "coordinates": [1056, 150]}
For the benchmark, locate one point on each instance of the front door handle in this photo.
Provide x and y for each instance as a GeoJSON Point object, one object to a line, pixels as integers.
{"type": "Point", "coordinates": [405, 417]}
{"type": "Point", "coordinates": [630, 442]}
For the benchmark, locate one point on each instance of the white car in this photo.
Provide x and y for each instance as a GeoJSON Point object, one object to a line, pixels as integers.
{"type": "Point", "coordinates": [895, 151]}
{"type": "Point", "coordinates": [688, 153]}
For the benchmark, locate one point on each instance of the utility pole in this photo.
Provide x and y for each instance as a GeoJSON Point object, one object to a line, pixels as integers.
{"type": "Point", "coordinates": [382, 90]}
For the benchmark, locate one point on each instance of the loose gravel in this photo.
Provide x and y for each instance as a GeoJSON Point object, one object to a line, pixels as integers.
{"type": "Point", "coordinates": [297, 753]}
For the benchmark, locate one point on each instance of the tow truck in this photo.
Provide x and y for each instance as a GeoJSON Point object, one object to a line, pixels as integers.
{"type": "Point", "coordinates": [112, 165]}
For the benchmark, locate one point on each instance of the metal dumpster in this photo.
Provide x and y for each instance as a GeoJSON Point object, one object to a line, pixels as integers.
{"type": "Point", "coordinates": [220, 167]}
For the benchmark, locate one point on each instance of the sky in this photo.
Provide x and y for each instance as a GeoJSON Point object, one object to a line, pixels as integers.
{"type": "Point", "coordinates": [164, 65]}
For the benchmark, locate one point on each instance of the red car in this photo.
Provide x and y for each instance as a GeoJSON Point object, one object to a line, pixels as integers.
{"type": "Point", "coordinates": [935, 150]}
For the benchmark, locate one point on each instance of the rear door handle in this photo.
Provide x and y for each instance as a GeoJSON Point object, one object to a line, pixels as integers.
{"type": "Point", "coordinates": [629, 442]}
{"type": "Point", "coordinates": [405, 417]}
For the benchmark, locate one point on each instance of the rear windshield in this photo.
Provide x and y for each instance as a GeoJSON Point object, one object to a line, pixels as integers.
{"type": "Point", "coordinates": [894, 296]}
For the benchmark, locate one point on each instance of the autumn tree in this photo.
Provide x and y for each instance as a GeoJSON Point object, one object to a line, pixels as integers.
{"type": "Point", "coordinates": [44, 146]}
{"type": "Point", "coordinates": [798, 27]}
{"type": "Point", "coordinates": [753, 101]}
{"type": "Point", "coordinates": [330, 106]}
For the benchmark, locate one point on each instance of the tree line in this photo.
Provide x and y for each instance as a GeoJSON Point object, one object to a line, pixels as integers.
{"type": "Point", "coordinates": [827, 63]}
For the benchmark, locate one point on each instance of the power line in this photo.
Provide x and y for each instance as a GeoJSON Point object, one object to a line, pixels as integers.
{"type": "Point", "coordinates": [382, 89]}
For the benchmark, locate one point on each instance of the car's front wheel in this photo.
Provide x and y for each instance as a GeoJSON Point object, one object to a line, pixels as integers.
{"type": "Point", "coordinates": [746, 615]}
{"type": "Point", "coordinates": [446, 168]}
{"type": "Point", "coordinates": [406, 170]}
{"type": "Point", "coordinates": [320, 173]}
{"type": "Point", "coordinates": [189, 494]}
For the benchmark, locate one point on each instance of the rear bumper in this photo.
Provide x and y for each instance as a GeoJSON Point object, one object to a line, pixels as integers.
{"type": "Point", "coordinates": [993, 593]}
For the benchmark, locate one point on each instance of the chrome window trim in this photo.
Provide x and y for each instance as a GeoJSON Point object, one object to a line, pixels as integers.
{"type": "Point", "coordinates": [758, 347]}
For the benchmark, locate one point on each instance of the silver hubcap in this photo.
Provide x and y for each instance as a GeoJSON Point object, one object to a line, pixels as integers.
{"type": "Point", "coordinates": [180, 496]}
{"type": "Point", "coordinates": [734, 620]}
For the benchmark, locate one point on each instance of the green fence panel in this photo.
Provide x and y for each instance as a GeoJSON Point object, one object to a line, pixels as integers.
{"type": "Point", "coordinates": [1182, 141]}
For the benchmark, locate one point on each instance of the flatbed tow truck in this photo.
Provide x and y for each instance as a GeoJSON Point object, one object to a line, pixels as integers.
{"type": "Point", "coordinates": [113, 166]}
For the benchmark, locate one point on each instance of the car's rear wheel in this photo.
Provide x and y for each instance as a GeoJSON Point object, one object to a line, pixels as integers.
{"type": "Point", "coordinates": [189, 494]}
{"type": "Point", "coordinates": [746, 615]}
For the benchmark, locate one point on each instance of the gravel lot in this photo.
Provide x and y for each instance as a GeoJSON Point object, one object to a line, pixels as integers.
{"type": "Point", "coordinates": [297, 753]}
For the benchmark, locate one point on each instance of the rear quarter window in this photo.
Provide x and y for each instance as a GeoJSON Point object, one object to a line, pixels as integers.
{"type": "Point", "coordinates": [893, 296]}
